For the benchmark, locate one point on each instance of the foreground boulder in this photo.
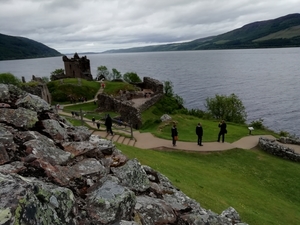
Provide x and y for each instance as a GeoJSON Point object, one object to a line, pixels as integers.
{"type": "Point", "coordinates": [54, 173]}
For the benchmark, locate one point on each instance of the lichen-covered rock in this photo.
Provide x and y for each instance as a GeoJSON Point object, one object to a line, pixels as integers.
{"type": "Point", "coordinates": [154, 211]}
{"type": "Point", "coordinates": [232, 214]}
{"type": "Point", "coordinates": [34, 202]}
{"type": "Point", "coordinates": [13, 167]}
{"type": "Point", "coordinates": [80, 133]}
{"type": "Point", "coordinates": [3, 155]}
{"type": "Point", "coordinates": [80, 148]}
{"type": "Point", "coordinates": [54, 129]}
{"type": "Point", "coordinates": [109, 202]}
{"type": "Point", "coordinates": [4, 93]}
{"type": "Point", "coordinates": [33, 103]}
{"type": "Point", "coordinates": [45, 149]}
{"type": "Point", "coordinates": [20, 117]}
{"type": "Point", "coordinates": [104, 145]}
{"type": "Point", "coordinates": [132, 175]}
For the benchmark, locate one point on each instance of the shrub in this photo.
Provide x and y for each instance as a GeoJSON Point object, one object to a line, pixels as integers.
{"type": "Point", "coordinates": [229, 108]}
{"type": "Point", "coordinates": [8, 78]}
{"type": "Point", "coordinates": [283, 134]}
{"type": "Point", "coordinates": [131, 77]}
{"type": "Point", "coordinates": [258, 124]}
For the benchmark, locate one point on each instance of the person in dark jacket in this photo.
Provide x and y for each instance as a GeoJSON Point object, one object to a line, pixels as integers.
{"type": "Point", "coordinates": [223, 130]}
{"type": "Point", "coordinates": [108, 124]}
{"type": "Point", "coordinates": [98, 125]}
{"type": "Point", "coordinates": [174, 134]}
{"type": "Point", "coordinates": [199, 132]}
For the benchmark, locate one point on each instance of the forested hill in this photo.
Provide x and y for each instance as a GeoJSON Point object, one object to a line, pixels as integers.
{"type": "Point", "coordinates": [12, 47]}
{"type": "Point", "coordinates": [276, 33]}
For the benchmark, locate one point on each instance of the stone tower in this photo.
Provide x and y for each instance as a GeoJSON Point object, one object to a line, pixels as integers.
{"type": "Point", "coordinates": [77, 67]}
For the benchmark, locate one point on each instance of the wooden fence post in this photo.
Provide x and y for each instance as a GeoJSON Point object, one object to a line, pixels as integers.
{"type": "Point", "coordinates": [131, 131]}
{"type": "Point", "coordinates": [81, 117]}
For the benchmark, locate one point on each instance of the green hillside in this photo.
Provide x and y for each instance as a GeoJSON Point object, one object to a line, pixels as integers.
{"type": "Point", "coordinates": [12, 47]}
{"type": "Point", "coordinates": [276, 33]}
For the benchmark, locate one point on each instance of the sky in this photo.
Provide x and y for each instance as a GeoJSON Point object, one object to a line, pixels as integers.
{"type": "Point", "coordinates": [98, 25]}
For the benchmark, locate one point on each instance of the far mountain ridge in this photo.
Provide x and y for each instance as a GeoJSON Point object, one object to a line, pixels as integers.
{"type": "Point", "coordinates": [275, 33]}
{"type": "Point", "coordinates": [14, 47]}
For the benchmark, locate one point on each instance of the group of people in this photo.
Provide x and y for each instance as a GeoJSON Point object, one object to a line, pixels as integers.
{"type": "Point", "coordinates": [199, 132]}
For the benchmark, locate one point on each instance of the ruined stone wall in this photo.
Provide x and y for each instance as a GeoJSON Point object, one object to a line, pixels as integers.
{"type": "Point", "coordinates": [127, 112]}
{"type": "Point", "coordinates": [150, 102]}
{"type": "Point", "coordinates": [40, 90]}
{"type": "Point", "coordinates": [273, 148]}
{"type": "Point", "coordinates": [155, 85]}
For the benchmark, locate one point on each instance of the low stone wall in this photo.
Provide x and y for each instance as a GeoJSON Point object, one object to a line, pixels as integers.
{"type": "Point", "coordinates": [273, 148]}
{"type": "Point", "coordinates": [288, 140]}
{"type": "Point", "coordinates": [150, 102]}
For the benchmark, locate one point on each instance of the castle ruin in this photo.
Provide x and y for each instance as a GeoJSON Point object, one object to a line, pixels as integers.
{"type": "Point", "coordinates": [77, 67]}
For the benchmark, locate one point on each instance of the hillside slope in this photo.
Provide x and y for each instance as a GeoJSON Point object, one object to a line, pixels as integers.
{"type": "Point", "coordinates": [276, 33]}
{"type": "Point", "coordinates": [12, 47]}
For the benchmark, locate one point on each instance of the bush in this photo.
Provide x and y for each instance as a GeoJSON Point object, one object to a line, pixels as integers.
{"type": "Point", "coordinates": [258, 124]}
{"type": "Point", "coordinates": [8, 78]}
{"type": "Point", "coordinates": [229, 108]}
{"type": "Point", "coordinates": [284, 134]}
{"type": "Point", "coordinates": [131, 77]}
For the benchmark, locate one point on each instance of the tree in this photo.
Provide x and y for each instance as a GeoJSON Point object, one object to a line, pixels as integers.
{"type": "Point", "coordinates": [45, 79]}
{"type": "Point", "coordinates": [131, 77]}
{"type": "Point", "coordinates": [168, 88]}
{"type": "Point", "coordinates": [229, 108]}
{"type": "Point", "coordinates": [8, 78]}
{"type": "Point", "coordinates": [116, 74]}
{"type": "Point", "coordinates": [56, 72]}
{"type": "Point", "coordinates": [102, 72]}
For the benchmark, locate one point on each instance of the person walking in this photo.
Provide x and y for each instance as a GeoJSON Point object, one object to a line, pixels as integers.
{"type": "Point", "coordinates": [223, 131]}
{"type": "Point", "coordinates": [199, 132]}
{"type": "Point", "coordinates": [93, 120]}
{"type": "Point", "coordinates": [98, 125]}
{"type": "Point", "coordinates": [174, 134]}
{"type": "Point", "coordinates": [108, 124]}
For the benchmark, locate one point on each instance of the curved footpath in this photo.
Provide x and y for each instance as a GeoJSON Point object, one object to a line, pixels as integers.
{"type": "Point", "coordinates": [149, 141]}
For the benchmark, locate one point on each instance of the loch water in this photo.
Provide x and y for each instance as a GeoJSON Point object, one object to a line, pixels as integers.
{"type": "Point", "coordinates": [266, 80]}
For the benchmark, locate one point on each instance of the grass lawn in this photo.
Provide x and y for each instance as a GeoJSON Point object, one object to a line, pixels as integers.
{"type": "Point", "coordinates": [113, 88]}
{"type": "Point", "coordinates": [263, 188]}
{"type": "Point", "coordinates": [61, 90]}
{"type": "Point", "coordinates": [186, 126]}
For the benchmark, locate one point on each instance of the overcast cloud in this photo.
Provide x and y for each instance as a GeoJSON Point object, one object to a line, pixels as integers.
{"type": "Point", "coordinates": [100, 25]}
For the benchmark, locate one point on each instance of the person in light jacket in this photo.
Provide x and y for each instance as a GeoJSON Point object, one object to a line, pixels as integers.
{"type": "Point", "coordinates": [199, 132]}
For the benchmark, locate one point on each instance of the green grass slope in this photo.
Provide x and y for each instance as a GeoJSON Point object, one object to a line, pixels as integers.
{"type": "Point", "coordinates": [264, 189]}
{"type": "Point", "coordinates": [12, 47]}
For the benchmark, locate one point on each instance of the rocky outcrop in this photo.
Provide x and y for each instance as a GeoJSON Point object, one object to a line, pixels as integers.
{"type": "Point", "coordinates": [273, 148]}
{"type": "Point", "coordinates": [54, 173]}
